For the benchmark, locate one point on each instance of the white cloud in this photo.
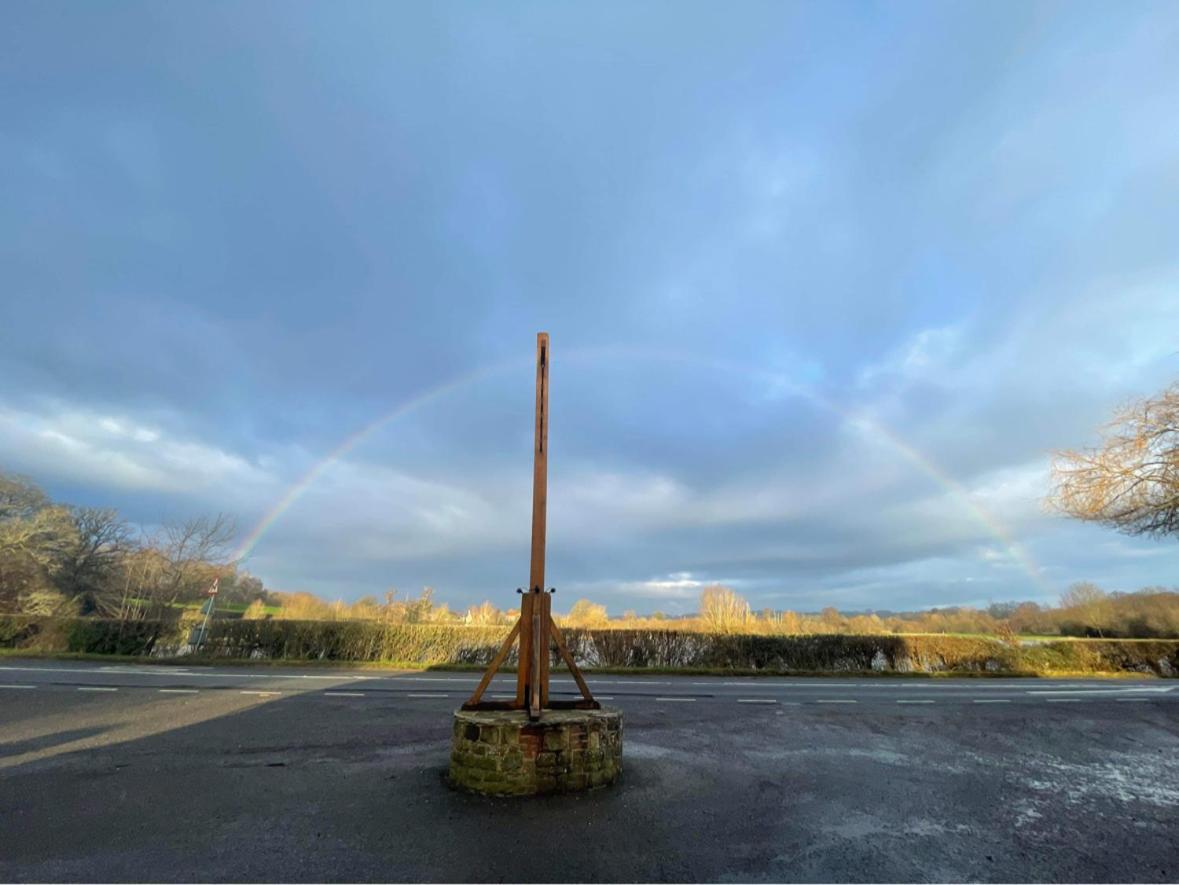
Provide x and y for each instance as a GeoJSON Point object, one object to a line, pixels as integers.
{"type": "Point", "coordinates": [925, 355]}
{"type": "Point", "coordinates": [677, 585]}
{"type": "Point", "coordinates": [116, 451]}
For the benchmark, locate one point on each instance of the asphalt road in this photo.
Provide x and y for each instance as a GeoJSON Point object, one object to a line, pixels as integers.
{"type": "Point", "coordinates": [142, 773]}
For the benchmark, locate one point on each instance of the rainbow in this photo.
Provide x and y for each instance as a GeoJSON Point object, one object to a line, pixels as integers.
{"type": "Point", "coordinates": [864, 422]}
{"type": "Point", "coordinates": [877, 430]}
{"type": "Point", "coordinates": [304, 482]}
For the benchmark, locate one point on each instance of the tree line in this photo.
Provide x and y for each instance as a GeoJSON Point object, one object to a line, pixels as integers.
{"type": "Point", "coordinates": [65, 560]}
{"type": "Point", "coordinates": [1083, 610]}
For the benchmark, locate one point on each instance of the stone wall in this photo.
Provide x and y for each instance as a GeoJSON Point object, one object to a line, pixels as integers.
{"type": "Point", "coordinates": [501, 753]}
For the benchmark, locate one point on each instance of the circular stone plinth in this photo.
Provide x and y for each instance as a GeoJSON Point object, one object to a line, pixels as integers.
{"type": "Point", "coordinates": [501, 753]}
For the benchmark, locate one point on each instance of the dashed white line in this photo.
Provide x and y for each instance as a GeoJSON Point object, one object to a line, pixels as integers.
{"type": "Point", "coordinates": [1088, 690]}
{"type": "Point", "coordinates": [839, 701]}
{"type": "Point", "coordinates": [168, 672]}
{"type": "Point", "coordinates": [262, 693]}
{"type": "Point", "coordinates": [1132, 700]}
{"type": "Point", "coordinates": [991, 701]}
{"type": "Point", "coordinates": [96, 688]}
{"type": "Point", "coordinates": [915, 702]}
{"type": "Point", "coordinates": [178, 690]}
{"type": "Point", "coordinates": [344, 694]}
{"type": "Point", "coordinates": [18, 686]}
{"type": "Point", "coordinates": [1063, 700]}
{"type": "Point", "coordinates": [756, 701]}
{"type": "Point", "coordinates": [680, 700]}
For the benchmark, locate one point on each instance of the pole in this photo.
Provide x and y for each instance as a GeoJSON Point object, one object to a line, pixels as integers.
{"type": "Point", "coordinates": [212, 594]}
{"type": "Point", "coordinates": [540, 462]}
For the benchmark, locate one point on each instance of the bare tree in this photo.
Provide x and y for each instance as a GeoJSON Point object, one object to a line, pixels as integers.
{"type": "Point", "coordinates": [1131, 481]}
{"type": "Point", "coordinates": [1088, 602]}
{"type": "Point", "coordinates": [586, 614]}
{"type": "Point", "coordinates": [722, 610]}
{"type": "Point", "coordinates": [92, 560]}
{"type": "Point", "coordinates": [484, 614]}
{"type": "Point", "coordinates": [189, 548]}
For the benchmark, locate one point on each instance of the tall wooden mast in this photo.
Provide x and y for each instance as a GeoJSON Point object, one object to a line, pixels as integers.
{"type": "Point", "coordinates": [535, 628]}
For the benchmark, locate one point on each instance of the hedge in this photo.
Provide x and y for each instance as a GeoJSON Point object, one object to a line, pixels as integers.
{"type": "Point", "coordinates": [436, 644]}
{"type": "Point", "coordinates": [87, 635]}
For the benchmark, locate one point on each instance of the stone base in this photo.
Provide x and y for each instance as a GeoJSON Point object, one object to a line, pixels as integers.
{"type": "Point", "coordinates": [501, 753]}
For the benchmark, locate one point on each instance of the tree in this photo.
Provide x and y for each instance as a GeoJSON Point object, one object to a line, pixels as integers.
{"type": "Point", "coordinates": [1088, 602]}
{"type": "Point", "coordinates": [722, 610]}
{"type": "Point", "coordinates": [483, 614]}
{"type": "Point", "coordinates": [586, 614]}
{"type": "Point", "coordinates": [1131, 481]}
{"type": "Point", "coordinates": [831, 621]}
{"type": "Point", "coordinates": [365, 609]}
{"type": "Point", "coordinates": [304, 606]}
{"type": "Point", "coordinates": [93, 558]}
{"type": "Point", "coordinates": [190, 549]}
{"type": "Point", "coordinates": [35, 538]}
{"type": "Point", "coordinates": [418, 611]}
{"type": "Point", "coordinates": [790, 623]}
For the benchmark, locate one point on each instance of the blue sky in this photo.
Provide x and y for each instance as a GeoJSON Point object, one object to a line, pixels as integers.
{"type": "Point", "coordinates": [827, 283]}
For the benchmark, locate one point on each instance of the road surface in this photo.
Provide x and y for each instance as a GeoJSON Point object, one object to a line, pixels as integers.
{"type": "Point", "coordinates": [160, 773]}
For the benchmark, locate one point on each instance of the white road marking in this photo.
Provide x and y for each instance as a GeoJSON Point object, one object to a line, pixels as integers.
{"type": "Point", "coordinates": [1102, 690]}
{"type": "Point", "coordinates": [96, 688]}
{"type": "Point", "coordinates": [18, 686]}
{"type": "Point", "coordinates": [1132, 700]}
{"type": "Point", "coordinates": [178, 691]}
{"type": "Point", "coordinates": [991, 701]}
{"type": "Point", "coordinates": [344, 694]}
{"type": "Point", "coordinates": [839, 701]}
{"type": "Point", "coordinates": [604, 697]}
{"type": "Point", "coordinates": [429, 695]}
{"type": "Point", "coordinates": [756, 701]}
{"type": "Point", "coordinates": [916, 702]}
{"type": "Point", "coordinates": [1063, 700]}
{"type": "Point", "coordinates": [169, 671]}
{"type": "Point", "coordinates": [263, 693]}
{"type": "Point", "coordinates": [683, 700]}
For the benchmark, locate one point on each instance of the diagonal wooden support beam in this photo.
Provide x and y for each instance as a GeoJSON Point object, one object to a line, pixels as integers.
{"type": "Point", "coordinates": [496, 663]}
{"type": "Point", "coordinates": [577, 677]}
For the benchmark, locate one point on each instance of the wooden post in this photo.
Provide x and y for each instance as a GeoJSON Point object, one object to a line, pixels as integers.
{"type": "Point", "coordinates": [540, 464]}
{"type": "Point", "coordinates": [535, 630]}
{"type": "Point", "coordinates": [539, 645]}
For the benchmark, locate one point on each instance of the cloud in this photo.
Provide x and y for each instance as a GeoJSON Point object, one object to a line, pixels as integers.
{"type": "Point", "coordinates": [118, 453]}
{"type": "Point", "coordinates": [923, 357]}
{"type": "Point", "coordinates": [825, 290]}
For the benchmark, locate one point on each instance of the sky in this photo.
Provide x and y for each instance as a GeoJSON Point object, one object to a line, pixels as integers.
{"type": "Point", "coordinates": [827, 283]}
